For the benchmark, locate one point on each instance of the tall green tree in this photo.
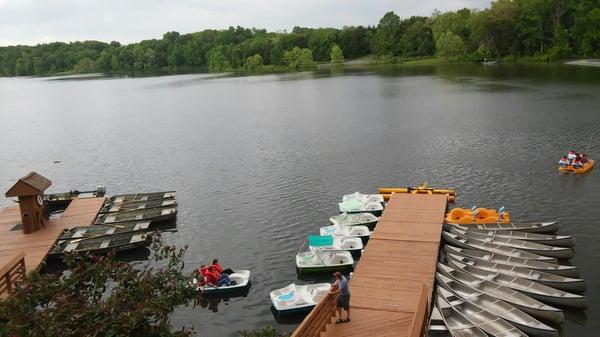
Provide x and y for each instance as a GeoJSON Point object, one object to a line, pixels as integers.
{"type": "Point", "coordinates": [449, 45]}
{"type": "Point", "coordinates": [336, 54]}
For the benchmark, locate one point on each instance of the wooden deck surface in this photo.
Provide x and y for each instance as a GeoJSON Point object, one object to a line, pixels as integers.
{"type": "Point", "coordinates": [81, 212]}
{"type": "Point", "coordinates": [400, 257]}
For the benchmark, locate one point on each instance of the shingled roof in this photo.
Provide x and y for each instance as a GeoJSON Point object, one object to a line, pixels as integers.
{"type": "Point", "coordinates": [31, 184]}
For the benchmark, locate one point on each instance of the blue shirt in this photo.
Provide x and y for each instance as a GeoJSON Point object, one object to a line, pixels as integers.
{"type": "Point", "coordinates": [343, 284]}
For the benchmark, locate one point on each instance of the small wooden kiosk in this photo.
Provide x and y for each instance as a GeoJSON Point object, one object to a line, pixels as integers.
{"type": "Point", "coordinates": [30, 191]}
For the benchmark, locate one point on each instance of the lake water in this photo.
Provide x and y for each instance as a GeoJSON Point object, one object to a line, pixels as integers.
{"type": "Point", "coordinates": [260, 162]}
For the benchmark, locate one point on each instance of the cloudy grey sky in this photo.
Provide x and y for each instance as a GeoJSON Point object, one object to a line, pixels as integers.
{"type": "Point", "coordinates": [36, 21]}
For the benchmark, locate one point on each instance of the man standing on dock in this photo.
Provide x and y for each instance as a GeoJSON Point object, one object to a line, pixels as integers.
{"type": "Point", "coordinates": [343, 301]}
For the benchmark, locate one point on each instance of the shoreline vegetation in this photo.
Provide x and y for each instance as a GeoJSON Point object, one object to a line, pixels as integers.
{"type": "Point", "coordinates": [509, 31]}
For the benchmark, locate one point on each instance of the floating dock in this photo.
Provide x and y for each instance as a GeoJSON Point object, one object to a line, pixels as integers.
{"type": "Point", "coordinates": [392, 284]}
{"type": "Point", "coordinates": [36, 245]}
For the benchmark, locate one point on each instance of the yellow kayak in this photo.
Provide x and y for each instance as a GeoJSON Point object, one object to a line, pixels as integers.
{"type": "Point", "coordinates": [586, 167]}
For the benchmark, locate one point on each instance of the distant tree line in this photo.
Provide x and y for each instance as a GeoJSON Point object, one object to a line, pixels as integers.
{"type": "Point", "coordinates": [510, 29]}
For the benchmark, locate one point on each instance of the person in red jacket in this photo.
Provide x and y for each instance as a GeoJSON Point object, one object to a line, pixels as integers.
{"type": "Point", "coordinates": [217, 266]}
{"type": "Point", "coordinates": [211, 276]}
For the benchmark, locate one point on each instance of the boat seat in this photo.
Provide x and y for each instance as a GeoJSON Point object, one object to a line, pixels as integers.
{"type": "Point", "coordinates": [71, 246]}
{"type": "Point", "coordinates": [139, 217]}
{"type": "Point", "coordinates": [111, 230]}
{"type": "Point", "coordinates": [79, 233]}
{"type": "Point", "coordinates": [104, 244]}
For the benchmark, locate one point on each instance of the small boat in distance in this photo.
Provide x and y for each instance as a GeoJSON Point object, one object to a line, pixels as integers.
{"type": "Point", "coordinates": [125, 198]}
{"type": "Point", "coordinates": [102, 244]}
{"type": "Point", "coordinates": [101, 230]}
{"type": "Point", "coordinates": [298, 298]}
{"type": "Point", "coordinates": [356, 219]}
{"type": "Point", "coordinates": [155, 215]}
{"type": "Point", "coordinates": [137, 205]}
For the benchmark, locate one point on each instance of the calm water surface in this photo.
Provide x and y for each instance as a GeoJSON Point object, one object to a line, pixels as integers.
{"type": "Point", "coordinates": [260, 162]}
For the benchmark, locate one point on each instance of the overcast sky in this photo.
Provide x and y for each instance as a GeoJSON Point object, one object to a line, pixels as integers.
{"type": "Point", "coordinates": [31, 22]}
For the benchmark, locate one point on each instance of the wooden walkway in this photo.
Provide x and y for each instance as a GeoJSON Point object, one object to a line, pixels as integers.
{"type": "Point", "coordinates": [396, 271]}
{"type": "Point", "coordinates": [81, 212]}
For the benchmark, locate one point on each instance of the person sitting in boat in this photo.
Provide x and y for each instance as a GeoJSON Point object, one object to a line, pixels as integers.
{"type": "Point", "coordinates": [221, 279]}
{"type": "Point", "coordinates": [571, 156]}
{"type": "Point", "coordinates": [564, 161]}
{"type": "Point", "coordinates": [208, 272]}
{"type": "Point", "coordinates": [215, 264]}
{"type": "Point", "coordinates": [584, 158]}
{"type": "Point", "coordinates": [577, 163]}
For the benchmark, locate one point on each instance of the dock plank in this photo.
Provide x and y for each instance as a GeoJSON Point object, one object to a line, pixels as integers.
{"type": "Point", "coordinates": [399, 259]}
{"type": "Point", "coordinates": [81, 212]}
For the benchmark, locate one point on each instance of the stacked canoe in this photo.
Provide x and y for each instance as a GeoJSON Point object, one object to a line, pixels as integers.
{"type": "Point", "coordinates": [505, 279]}
{"type": "Point", "coordinates": [124, 222]}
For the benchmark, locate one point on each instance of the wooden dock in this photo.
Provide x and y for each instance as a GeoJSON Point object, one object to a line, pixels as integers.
{"type": "Point", "coordinates": [35, 246]}
{"type": "Point", "coordinates": [392, 284]}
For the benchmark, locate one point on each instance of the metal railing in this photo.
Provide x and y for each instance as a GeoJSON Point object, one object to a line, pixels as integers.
{"type": "Point", "coordinates": [11, 274]}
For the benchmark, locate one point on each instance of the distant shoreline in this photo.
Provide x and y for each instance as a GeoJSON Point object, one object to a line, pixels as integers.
{"type": "Point", "coordinates": [585, 63]}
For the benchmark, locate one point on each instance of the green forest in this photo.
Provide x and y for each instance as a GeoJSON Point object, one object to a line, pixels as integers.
{"type": "Point", "coordinates": [509, 30]}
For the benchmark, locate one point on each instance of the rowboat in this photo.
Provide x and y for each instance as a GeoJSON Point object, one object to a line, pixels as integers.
{"type": "Point", "coordinates": [556, 269]}
{"type": "Point", "coordinates": [124, 198]}
{"type": "Point", "coordinates": [317, 261]}
{"type": "Point", "coordinates": [457, 324]}
{"type": "Point", "coordinates": [532, 247]}
{"type": "Point", "coordinates": [436, 324]}
{"type": "Point", "coordinates": [239, 276]}
{"type": "Point", "coordinates": [353, 206]}
{"type": "Point", "coordinates": [547, 239]}
{"type": "Point", "coordinates": [536, 290]}
{"type": "Point", "coordinates": [102, 244]}
{"type": "Point", "coordinates": [361, 232]}
{"type": "Point", "coordinates": [498, 307]}
{"type": "Point", "coordinates": [364, 198]}
{"type": "Point", "coordinates": [152, 214]}
{"type": "Point", "coordinates": [356, 219]}
{"type": "Point", "coordinates": [298, 298]}
{"type": "Point", "coordinates": [516, 298]}
{"type": "Point", "coordinates": [485, 320]}
{"type": "Point", "coordinates": [328, 242]}
{"type": "Point", "coordinates": [531, 227]}
{"type": "Point", "coordinates": [137, 205]}
{"type": "Point", "coordinates": [550, 280]}
{"type": "Point", "coordinates": [102, 230]}
{"type": "Point", "coordinates": [471, 243]}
